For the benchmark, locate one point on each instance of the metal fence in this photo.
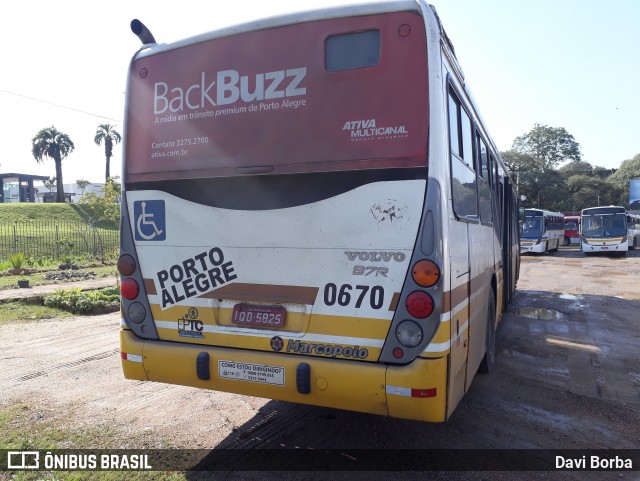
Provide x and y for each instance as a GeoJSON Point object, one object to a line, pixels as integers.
{"type": "Point", "coordinates": [56, 240]}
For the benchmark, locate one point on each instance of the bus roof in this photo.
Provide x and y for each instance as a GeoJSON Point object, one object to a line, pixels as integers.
{"type": "Point", "coordinates": [611, 209]}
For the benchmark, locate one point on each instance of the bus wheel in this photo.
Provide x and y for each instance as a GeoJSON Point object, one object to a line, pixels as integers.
{"type": "Point", "coordinates": [489, 358]}
{"type": "Point", "coordinates": [566, 241]}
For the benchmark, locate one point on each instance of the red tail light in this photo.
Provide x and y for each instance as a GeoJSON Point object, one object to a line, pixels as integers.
{"type": "Point", "coordinates": [419, 304]}
{"type": "Point", "coordinates": [129, 289]}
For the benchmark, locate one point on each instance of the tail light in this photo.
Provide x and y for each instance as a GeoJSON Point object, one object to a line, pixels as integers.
{"type": "Point", "coordinates": [409, 333]}
{"type": "Point", "coordinates": [126, 265]}
{"type": "Point", "coordinates": [129, 289]}
{"type": "Point", "coordinates": [419, 304]}
{"type": "Point", "coordinates": [425, 273]}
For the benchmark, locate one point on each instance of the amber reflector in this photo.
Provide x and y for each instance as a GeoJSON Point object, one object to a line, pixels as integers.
{"type": "Point", "coordinates": [426, 273]}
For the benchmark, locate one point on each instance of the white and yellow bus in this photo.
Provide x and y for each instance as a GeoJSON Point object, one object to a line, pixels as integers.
{"type": "Point", "coordinates": [633, 230]}
{"type": "Point", "coordinates": [313, 211]}
{"type": "Point", "coordinates": [542, 231]}
{"type": "Point", "coordinates": [604, 229]}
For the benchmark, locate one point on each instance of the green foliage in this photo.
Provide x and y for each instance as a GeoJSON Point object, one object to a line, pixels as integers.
{"type": "Point", "coordinates": [78, 301]}
{"type": "Point", "coordinates": [17, 260]}
{"type": "Point", "coordinates": [82, 185]}
{"type": "Point", "coordinates": [51, 143]}
{"type": "Point", "coordinates": [104, 207]}
{"type": "Point", "coordinates": [65, 247]}
{"type": "Point", "coordinates": [50, 183]}
{"type": "Point", "coordinates": [107, 134]}
{"type": "Point", "coordinates": [549, 146]}
{"type": "Point", "coordinates": [25, 211]}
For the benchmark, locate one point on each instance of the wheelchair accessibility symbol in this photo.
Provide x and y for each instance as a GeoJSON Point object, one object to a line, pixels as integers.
{"type": "Point", "coordinates": [150, 220]}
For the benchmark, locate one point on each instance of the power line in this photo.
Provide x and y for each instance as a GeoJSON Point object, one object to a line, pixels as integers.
{"type": "Point", "coordinates": [58, 105]}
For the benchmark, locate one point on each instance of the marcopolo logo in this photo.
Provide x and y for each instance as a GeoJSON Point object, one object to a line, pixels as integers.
{"type": "Point", "coordinates": [299, 347]}
{"type": "Point", "coordinates": [228, 88]}
{"type": "Point", "coordinates": [276, 343]}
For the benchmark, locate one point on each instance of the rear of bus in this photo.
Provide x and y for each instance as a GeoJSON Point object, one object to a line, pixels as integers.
{"type": "Point", "coordinates": [275, 238]}
{"type": "Point", "coordinates": [571, 229]}
{"type": "Point", "coordinates": [604, 229]}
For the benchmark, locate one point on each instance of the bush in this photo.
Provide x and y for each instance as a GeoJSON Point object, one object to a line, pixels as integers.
{"type": "Point", "coordinates": [78, 301]}
{"type": "Point", "coordinates": [16, 260]}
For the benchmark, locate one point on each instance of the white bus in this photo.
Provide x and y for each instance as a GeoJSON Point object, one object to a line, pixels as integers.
{"type": "Point", "coordinates": [313, 211]}
{"type": "Point", "coordinates": [633, 230]}
{"type": "Point", "coordinates": [542, 231]}
{"type": "Point", "coordinates": [604, 229]}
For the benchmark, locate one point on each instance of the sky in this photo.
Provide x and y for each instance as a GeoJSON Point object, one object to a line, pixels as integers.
{"type": "Point", "coordinates": [563, 63]}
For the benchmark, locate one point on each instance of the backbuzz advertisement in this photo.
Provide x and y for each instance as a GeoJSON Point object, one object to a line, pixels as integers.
{"type": "Point", "coordinates": [634, 195]}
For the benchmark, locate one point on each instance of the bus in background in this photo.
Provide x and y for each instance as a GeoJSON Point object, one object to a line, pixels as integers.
{"type": "Point", "coordinates": [314, 211]}
{"type": "Point", "coordinates": [571, 228]}
{"type": "Point", "coordinates": [542, 231]}
{"type": "Point", "coordinates": [604, 229]}
{"type": "Point", "coordinates": [633, 230]}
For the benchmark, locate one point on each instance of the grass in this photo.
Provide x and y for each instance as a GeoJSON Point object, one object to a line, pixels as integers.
{"type": "Point", "coordinates": [28, 311]}
{"type": "Point", "coordinates": [43, 230]}
{"type": "Point", "coordinates": [37, 279]}
{"type": "Point", "coordinates": [30, 212]}
{"type": "Point", "coordinates": [27, 427]}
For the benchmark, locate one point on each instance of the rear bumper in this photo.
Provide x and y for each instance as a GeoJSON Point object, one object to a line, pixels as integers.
{"type": "Point", "coordinates": [415, 391]}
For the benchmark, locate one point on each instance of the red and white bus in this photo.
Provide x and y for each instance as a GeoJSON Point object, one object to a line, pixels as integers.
{"type": "Point", "coordinates": [571, 228]}
{"type": "Point", "coordinates": [313, 211]}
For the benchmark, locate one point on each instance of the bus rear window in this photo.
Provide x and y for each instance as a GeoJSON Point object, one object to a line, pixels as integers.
{"type": "Point", "coordinates": [352, 51]}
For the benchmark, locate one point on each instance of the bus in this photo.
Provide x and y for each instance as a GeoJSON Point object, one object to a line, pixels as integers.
{"type": "Point", "coordinates": [605, 229]}
{"type": "Point", "coordinates": [313, 211]}
{"type": "Point", "coordinates": [633, 230]}
{"type": "Point", "coordinates": [571, 228]}
{"type": "Point", "coordinates": [542, 231]}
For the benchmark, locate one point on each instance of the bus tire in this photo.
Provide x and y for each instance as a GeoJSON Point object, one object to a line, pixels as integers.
{"type": "Point", "coordinates": [566, 241]}
{"type": "Point", "coordinates": [489, 359]}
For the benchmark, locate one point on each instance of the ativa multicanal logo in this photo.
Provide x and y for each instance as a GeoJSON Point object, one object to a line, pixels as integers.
{"type": "Point", "coordinates": [369, 130]}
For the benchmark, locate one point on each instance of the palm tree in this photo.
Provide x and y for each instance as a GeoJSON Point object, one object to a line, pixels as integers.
{"type": "Point", "coordinates": [50, 142]}
{"type": "Point", "coordinates": [108, 134]}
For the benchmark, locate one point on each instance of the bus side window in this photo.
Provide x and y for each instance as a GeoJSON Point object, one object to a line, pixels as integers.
{"type": "Point", "coordinates": [484, 190]}
{"type": "Point", "coordinates": [463, 177]}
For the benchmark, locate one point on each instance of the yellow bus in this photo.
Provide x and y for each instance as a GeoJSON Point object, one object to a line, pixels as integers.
{"type": "Point", "coordinates": [313, 211]}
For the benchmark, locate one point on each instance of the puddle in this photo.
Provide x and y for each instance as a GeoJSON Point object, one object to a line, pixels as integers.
{"type": "Point", "coordinates": [569, 297]}
{"type": "Point", "coordinates": [538, 313]}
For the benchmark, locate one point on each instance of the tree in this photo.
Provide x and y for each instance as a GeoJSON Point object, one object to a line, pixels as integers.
{"type": "Point", "coordinates": [82, 185]}
{"type": "Point", "coordinates": [629, 169]}
{"type": "Point", "coordinates": [549, 146]}
{"type": "Point", "coordinates": [107, 133]}
{"type": "Point", "coordinates": [104, 207]}
{"type": "Point", "coordinates": [590, 191]}
{"type": "Point", "coordinates": [50, 183]}
{"type": "Point", "coordinates": [50, 142]}
{"type": "Point", "coordinates": [576, 167]}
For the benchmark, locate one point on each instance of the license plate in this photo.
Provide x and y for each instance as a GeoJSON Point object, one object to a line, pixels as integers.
{"type": "Point", "coordinates": [258, 316]}
{"type": "Point", "coordinates": [604, 248]}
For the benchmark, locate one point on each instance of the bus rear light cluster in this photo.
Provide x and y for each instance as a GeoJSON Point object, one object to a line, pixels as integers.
{"type": "Point", "coordinates": [419, 304]}
{"type": "Point", "coordinates": [130, 289]}
{"type": "Point", "coordinates": [425, 273]}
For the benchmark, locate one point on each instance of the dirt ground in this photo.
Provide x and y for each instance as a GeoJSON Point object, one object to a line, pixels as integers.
{"type": "Point", "coordinates": [568, 376]}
